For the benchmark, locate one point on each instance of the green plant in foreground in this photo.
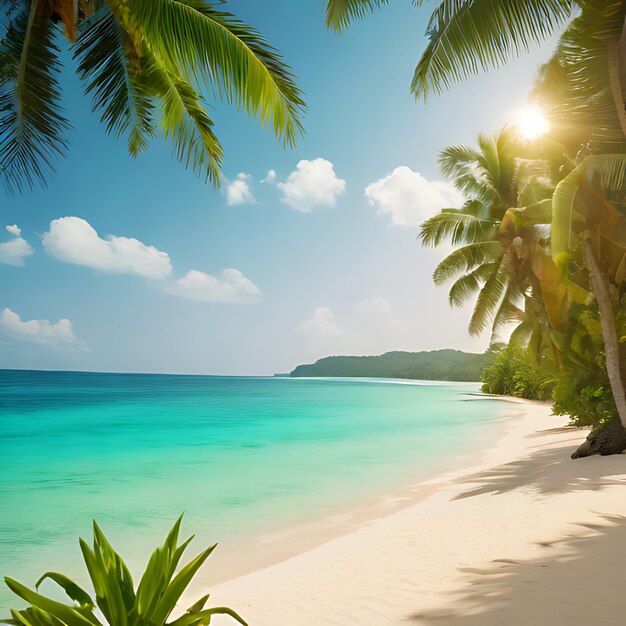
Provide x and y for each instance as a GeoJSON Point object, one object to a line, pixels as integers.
{"type": "Point", "coordinates": [151, 604]}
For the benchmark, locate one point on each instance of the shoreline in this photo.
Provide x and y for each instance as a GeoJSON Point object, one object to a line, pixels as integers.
{"type": "Point", "coordinates": [440, 555]}
{"type": "Point", "coordinates": [264, 550]}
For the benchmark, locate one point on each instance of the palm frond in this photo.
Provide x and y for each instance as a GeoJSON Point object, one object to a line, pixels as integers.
{"type": "Point", "coordinates": [609, 170]}
{"type": "Point", "coordinates": [488, 300]}
{"type": "Point", "coordinates": [499, 160]}
{"type": "Point", "coordinates": [467, 37]}
{"type": "Point", "coordinates": [465, 259]}
{"type": "Point", "coordinates": [583, 55]}
{"type": "Point", "coordinates": [460, 165]}
{"type": "Point", "coordinates": [339, 13]}
{"type": "Point", "coordinates": [454, 227]}
{"type": "Point", "coordinates": [186, 122]}
{"type": "Point", "coordinates": [521, 334]}
{"type": "Point", "coordinates": [466, 286]}
{"type": "Point", "coordinates": [195, 40]}
{"type": "Point", "coordinates": [31, 122]}
{"type": "Point", "coordinates": [509, 310]}
{"type": "Point", "coordinates": [111, 70]}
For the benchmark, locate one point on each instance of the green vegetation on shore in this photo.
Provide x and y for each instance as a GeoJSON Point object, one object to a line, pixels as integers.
{"type": "Point", "coordinates": [540, 241]}
{"type": "Point", "coordinates": [436, 365]}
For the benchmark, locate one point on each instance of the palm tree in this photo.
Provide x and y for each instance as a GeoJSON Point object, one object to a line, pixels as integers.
{"type": "Point", "coordinates": [145, 64]}
{"type": "Point", "coordinates": [502, 257]}
{"type": "Point", "coordinates": [586, 86]}
{"type": "Point", "coordinates": [589, 222]}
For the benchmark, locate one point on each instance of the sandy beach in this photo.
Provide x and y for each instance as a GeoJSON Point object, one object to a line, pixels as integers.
{"type": "Point", "coordinates": [529, 537]}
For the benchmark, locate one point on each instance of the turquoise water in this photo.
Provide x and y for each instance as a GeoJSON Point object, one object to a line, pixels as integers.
{"type": "Point", "coordinates": [243, 457]}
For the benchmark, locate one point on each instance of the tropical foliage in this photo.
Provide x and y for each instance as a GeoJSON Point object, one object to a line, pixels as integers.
{"type": "Point", "coordinates": [579, 386]}
{"type": "Point", "coordinates": [556, 268]}
{"type": "Point", "coordinates": [513, 371]}
{"type": "Point", "coordinates": [145, 64]}
{"type": "Point", "coordinates": [116, 599]}
{"type": "Point", "coordinates": [467, 37]}
{"type": "Point", "coordinates": [578, 214]}
{"type": "Point", "coordinates": [501, 234]}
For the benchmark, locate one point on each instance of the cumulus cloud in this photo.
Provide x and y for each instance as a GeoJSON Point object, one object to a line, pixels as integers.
{"type": "Point", "coordinates": [409, 198]}
{"type": "Point", "coordinates": [74, 240]}
{"type": "Point", "coordinates": [39, 331]}
{"type": "Point", "coordinates": [229, 287]}
{"type": "Point", "coordinates": [377, 306]}
{"type": "Point", "coordinates": [238, 191]}
{"type": "Point", "coordinates": [15, 251]}
{"type": "Point", "coordinates": [270, 177]}
{"type": "Point", "coordinates": [323, 323]}
{"type": "Point", "coordinates": [312, 184]}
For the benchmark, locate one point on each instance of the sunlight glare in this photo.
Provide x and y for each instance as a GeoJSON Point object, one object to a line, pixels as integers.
{"type": "Point", "coordinates": [531, 124]}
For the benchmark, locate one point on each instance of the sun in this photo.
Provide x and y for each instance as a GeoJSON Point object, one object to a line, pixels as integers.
{"type": "Point", "coordinates": [531, 124]}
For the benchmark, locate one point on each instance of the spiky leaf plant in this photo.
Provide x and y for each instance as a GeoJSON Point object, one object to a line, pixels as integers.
{"type": "Point", "coordinates": [116, 599]}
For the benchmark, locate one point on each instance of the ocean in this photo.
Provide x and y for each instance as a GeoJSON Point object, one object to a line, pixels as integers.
{"type": "Point", "coordinates": [243, 457]}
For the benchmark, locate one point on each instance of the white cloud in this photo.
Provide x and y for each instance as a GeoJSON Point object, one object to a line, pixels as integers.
{"type": "Point", "coordinates": [270, 177]}
{"type": "Point", "coordinates": [230, 286]}
{"type": "Point", "coordinates": [322, 323]}
{"type": "Point", "coordinates": [312, 184]}
{"type": "Point", "coordinates": [74, 240]}
{"type": "Point", "coordinates": [39, 331]}
{"type": "Point", "coordinates": [238, 191]}
{"type": "Point", "coordinates": [409, 198]}
{"type": "Point", "coordinates": [14, 251]}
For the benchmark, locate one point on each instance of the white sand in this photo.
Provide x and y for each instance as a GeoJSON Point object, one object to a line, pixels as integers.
{"type": "Point", "coordinates": [531, 538]}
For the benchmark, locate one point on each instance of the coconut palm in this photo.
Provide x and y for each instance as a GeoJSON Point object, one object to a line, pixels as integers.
{"type": "Point", "coordinates": [500, 234]}
{"type": "Point", "coordinates": [589, 222]}
{"type": "Point", "coordinates": [145, 64]}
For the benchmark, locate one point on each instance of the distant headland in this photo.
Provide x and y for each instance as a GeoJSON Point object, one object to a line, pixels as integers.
{"type": "Point", "coordinates": [435, 365]}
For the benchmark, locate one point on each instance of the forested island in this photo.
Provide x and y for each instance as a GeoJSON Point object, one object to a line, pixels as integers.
{"type": "Point", "coordinates": [435, 365]}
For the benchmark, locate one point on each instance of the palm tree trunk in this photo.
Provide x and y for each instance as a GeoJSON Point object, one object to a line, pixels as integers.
{"type": "Point", "coordinates": [600, 289]}
{"type": "Point", "coordinates": [607, 438]}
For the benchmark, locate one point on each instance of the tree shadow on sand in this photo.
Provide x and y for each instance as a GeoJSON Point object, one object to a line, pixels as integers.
{"type": "Point", "coordinates": [549, 471]}
{"type": "Point", "coordinates": [579, 582]}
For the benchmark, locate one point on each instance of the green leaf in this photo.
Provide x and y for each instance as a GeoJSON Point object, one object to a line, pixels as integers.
{"type": "Point", "coordinates": [159, 572]}
{"type": "Point", "coordinates": [185, 121]}
{"type": "Point", "coordinates": [178, 585]}
{"type": "Point", "coordinates": [469, 284]}
{"type": "Point", "coordinates": [465, 259]}
{"type": "Point", "coordinates": [339, 13]}
{"type": "Point", "coordinates": [199, 605]}
{"type": "Point", "coordinates": [609, 173]}
{"type": "Point", "coordinates": [31, 122]}
{"type": "Point", "coordinates": [111, 69]}
{"type": "Point", "coordinates": [68, 615]}
{"type": "Point", "coordinates": [455, 227]}
{"type": "Point", "coordinates": [204, 617]}
{"type": "Point", "coordinates": [487, 302]}
{"type": "Point", "coordinates": [193, 39]}
{"type": "Point", "coordinates": [74, 591]}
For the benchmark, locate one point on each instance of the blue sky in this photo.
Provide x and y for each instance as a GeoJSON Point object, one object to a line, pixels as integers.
{"type": "Point", "coordinates": [321, 266]}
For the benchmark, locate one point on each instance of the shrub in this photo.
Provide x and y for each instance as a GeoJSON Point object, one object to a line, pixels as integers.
{"type": "Point", "coordinates": [512, 371]}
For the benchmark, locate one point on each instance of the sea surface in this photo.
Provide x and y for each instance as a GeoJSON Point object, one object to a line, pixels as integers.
{"type": "Point", "coordinates": [243, 458]}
